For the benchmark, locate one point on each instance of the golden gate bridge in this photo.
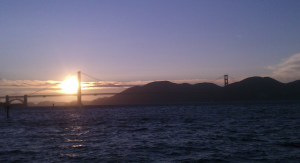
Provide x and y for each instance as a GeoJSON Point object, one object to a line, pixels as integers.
{"type": "Point", "coordinates": [84, 88]}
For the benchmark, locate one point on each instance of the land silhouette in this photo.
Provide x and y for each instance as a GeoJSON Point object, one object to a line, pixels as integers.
{"type": "Point", "coordinates": [165, 92]}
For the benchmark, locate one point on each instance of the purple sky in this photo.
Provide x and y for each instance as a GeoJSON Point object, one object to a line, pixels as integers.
{"type": "Point", "coordinates": [149, 40]}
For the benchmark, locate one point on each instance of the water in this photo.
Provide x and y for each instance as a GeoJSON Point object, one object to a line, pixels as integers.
{"type": "Point", "coordinates": [174, 133]}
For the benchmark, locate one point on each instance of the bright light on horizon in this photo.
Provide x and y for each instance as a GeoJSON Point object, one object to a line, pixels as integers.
{"type": "Point", "coordinates": [69, 86]}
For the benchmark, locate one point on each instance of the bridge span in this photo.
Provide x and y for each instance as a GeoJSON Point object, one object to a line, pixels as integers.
{"type": "Point", "coordinates": [79, 94]}
{"type": "Point", "coordinates": [24, 99]}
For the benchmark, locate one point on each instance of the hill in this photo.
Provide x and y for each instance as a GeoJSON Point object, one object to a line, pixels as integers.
{"type": "Point", "coordinates": [164, 92]}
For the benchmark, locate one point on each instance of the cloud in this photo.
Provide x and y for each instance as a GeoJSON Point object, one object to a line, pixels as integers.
{"type": "Point", "coordinates": [27, 83]}
{"type": "Point", "coordinates": [288, 69]}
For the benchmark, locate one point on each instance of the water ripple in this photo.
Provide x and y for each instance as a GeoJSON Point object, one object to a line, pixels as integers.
{"type": "Point", "coordinates": [174, 133]}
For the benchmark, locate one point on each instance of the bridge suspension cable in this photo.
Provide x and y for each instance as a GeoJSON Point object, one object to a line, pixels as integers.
{"type": "Point", "coordinates": [234, 81]}
{"type": "Point", "coordinates": [51, 85]}
{"type": "Point", "coordinates": [98, 86]}
{"type": "Point", "coordinates": [212, 81]}
{"type": "Point", "coordinates": [90, 76]}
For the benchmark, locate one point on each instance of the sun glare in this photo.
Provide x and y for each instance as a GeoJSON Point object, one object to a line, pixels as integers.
{"type": "Point", "coordinates": [70, 85]}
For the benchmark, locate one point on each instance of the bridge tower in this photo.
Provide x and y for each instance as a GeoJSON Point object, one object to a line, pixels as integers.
{"type": "Point", "coordinates": [226, 80]}
{"type": "Point", "coordinates": [79, 89]}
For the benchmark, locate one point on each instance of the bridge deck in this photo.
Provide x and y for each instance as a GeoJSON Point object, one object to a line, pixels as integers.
{"type": "Point", "coordinates": [88, 94]}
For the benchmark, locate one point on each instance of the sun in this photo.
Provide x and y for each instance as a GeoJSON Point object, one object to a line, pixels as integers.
{"type": "Point", "coordinates": [70, 85]}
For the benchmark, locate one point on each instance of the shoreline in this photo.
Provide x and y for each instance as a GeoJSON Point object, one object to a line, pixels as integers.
{"type": "Point", "coordinates": [187, 103]}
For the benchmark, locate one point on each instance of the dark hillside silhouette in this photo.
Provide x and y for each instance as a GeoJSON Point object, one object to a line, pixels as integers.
{"type": "Point", "coordinates": [163, 92]}
{"type": "Point", "coordinates": [254, 88]}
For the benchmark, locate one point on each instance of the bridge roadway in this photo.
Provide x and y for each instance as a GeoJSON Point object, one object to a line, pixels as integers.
{"type": "Point", "coordinates": [4, 104]}
{"type": "Point", "coordinates": [24, 102]}
{"type": "Point", "coordinates": [57, 95]}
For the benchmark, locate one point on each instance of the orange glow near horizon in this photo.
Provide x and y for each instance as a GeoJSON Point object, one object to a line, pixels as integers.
{"type": "Point", "coordinates": [69, 86]}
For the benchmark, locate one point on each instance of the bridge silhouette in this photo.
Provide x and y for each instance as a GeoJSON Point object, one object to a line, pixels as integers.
{"type": "Point", "coordinates": [9, 100]}
{"type": "Point", "coordinates": [79, 94]}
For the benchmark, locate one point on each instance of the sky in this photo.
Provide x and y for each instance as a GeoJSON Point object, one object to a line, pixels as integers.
{"type": "Point", "coordinates": [137, 41]}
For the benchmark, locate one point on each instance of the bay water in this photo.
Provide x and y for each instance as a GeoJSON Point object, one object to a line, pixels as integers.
{"type": "Point", "coordinates": [154, 133]}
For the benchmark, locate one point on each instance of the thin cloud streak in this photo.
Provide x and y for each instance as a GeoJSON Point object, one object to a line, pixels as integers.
{"type": "Point", "coordinates": [4, 83]}
{"type": "Point", "coordinates": [288, 69]}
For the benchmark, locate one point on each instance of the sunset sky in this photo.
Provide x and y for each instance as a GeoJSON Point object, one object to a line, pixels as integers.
{"type": "Point", "coordinates": [133, 40]}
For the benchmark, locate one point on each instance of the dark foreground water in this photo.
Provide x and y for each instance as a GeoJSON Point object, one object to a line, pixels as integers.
{"type": "Point", "coordinates": [183, 133]}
